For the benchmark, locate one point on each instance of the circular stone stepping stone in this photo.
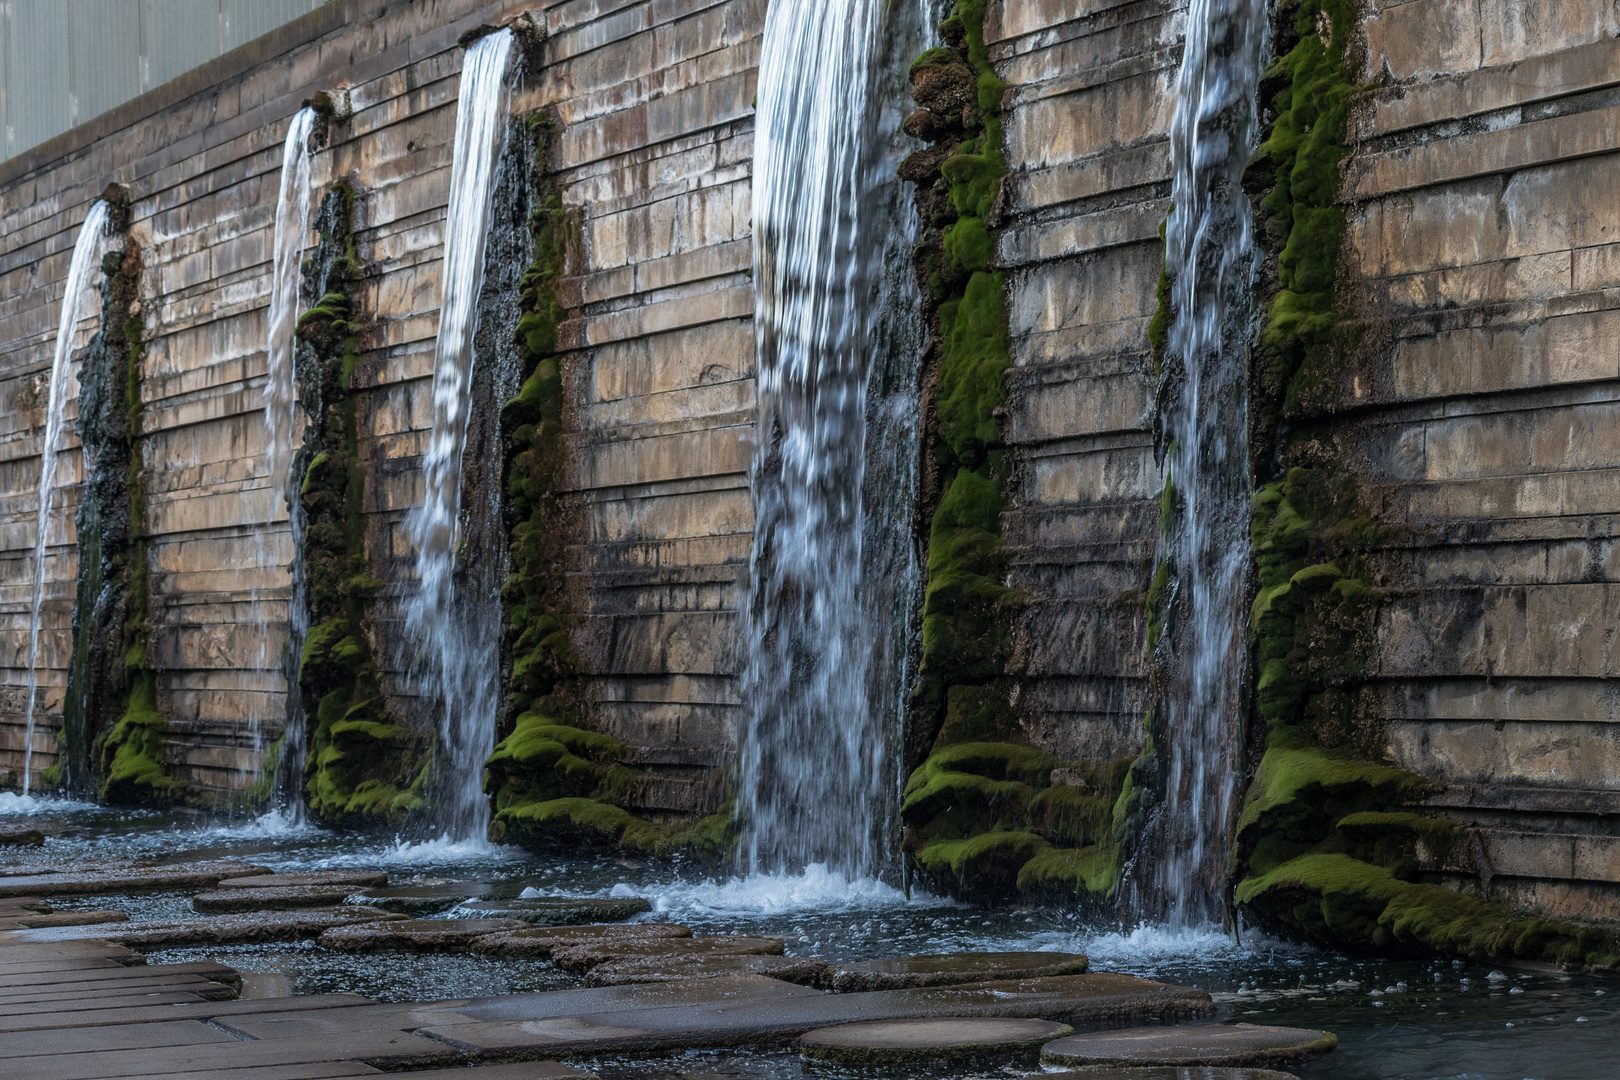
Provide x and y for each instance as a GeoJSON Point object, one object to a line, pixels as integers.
{"type": "Point", "coordinates": [414, 935]}
{"type": "Point", "coordinates": [284, 898]}
{"type": "Point", "coordinates": [541, 941]}
{"type": "Point", "coordinates": [563, 910]}
{"type": "Point", "coordinates": [950, 1039]}
{"type": "Point", "coordinates": [1211, 1044]}
{"type": "Point", "coordinates": [803, 970]}
{"type": "Point", "coordinates": [581, 958]}
{"type": "Point", "coordinates": [953, 969]}
{"type": "Point", "coordinates": [1183, 1072]}
{"type": "Point", "coordinates": [357, 878]}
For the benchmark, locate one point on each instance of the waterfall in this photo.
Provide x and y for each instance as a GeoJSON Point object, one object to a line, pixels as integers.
{"type": "Point", "coordinates": [291, 233]}
{"type": "Point", "coordinates": [460, 658]}
{"type": "Point", "coordinates": [818, 771]}
{"type": "Point", "coordinates": [1209, 253]}
{"type": "Point", "coordinates": [73, 293]}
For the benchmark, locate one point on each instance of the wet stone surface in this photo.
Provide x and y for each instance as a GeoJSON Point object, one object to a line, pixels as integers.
{"type": "Point", "coordinates": [20, 836]}
{"type": "Point", "coordinates": [415, 935]}
{"type": "Point", "coordinates": [216, 930]}
{"type": "Point", "coordinates": [71, 918]}
{"type": "Point", "coordinates": [420, 900]}
{"type": "Point", "coordinates": [355, 879]}
{"type": "Point", "coordinates": [1180, 1072]}
{"type": "Point", "coordinates": [583, 957]}
{"type": "Point", "coordinates": [126, 879]}
{"type": "Point", "coordinates": [560, 910]}
{"type": "Point", "coordinates": [285, 898]}
{"type": "Point", "coordinates": [949, 969]}
{"type": "Point", "coordinates": [965, 1039]}
{"type": "Point", "coordinates": [803, 970]}
{"type": "Point", "coordinates": [540, 942]}
{"type": "Point", "coordinates": [1208, 1044]}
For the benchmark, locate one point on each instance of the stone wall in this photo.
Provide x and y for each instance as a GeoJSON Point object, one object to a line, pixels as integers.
{"type": "Point", "coordinates": [1481, 260]}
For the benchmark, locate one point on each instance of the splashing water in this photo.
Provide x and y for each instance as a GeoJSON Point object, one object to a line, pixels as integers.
{"type": "Point", "coordinates": [85, 250]}
{"type": "Point", "coordinates": [816, 753]}
{"type": "Point", "coordinates": [280, 420]}
{"type": "Point", "coordinates": [459, 670]}
{"type": "Point", "coordinates": [1209, 251]}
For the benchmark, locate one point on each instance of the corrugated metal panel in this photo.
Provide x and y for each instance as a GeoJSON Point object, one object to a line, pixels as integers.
{"type": "Point", "coordinates": [245, 20]}
{"type": "Point", "coordinates": [37, 60]}
{"type": "Point", "coordinates": [105, 41]}
{"type": "Point", "coordinates": [177, 35]}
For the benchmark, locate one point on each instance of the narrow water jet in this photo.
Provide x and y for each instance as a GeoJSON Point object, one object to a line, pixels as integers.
{"type": "Point", "coordinates": [280, 421]}
{"type": "Point", "coordinates": [1209, 256]}
{"type": "Point", "coordinates": [828, 586]}
{"type": "Point", "coordinates": [458, 669]}
{"type": "Point", "coordinates": [74, 290]}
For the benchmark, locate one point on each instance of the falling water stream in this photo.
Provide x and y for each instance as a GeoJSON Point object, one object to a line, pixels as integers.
{"type": "Point", "coordinates": [816, 755]}
{"type": "Point", "coordinates": [83, 262]}
{"type": "Point", "coordinates": [291, 233]}
{"type": "Point", "coordinates": [459, 667]}
{"type": "Point", "coordinates": [1209, 253]}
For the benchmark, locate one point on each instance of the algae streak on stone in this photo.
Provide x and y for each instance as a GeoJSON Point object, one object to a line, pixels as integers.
{"type": "Point", "coordinates": [985, 814]}
{"type": "Point", "coordinates": [80, 267]}
{"type": "Point", "coordinates": [1327, 847]}
{"type": "Point", "coordinates": [363, 766]}
{"type": "Point", "coordinates": [459, 633]}
{"type": "Point", "coordinates": [1199, 587]}
{"type": "Point", "coordinates": [819, 762]}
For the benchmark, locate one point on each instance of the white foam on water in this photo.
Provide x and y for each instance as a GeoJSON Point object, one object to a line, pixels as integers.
{"type": "Point", "coordinates": [280, 823]}
{"type": "Point", "coordinates": [12, 803]}
{"type": "Point", "coordinates": [443, 849]}
{"type": "Point", "coordinates": [817, 888]}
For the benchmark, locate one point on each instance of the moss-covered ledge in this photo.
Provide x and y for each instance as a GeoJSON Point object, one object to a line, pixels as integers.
{"type": "Point", "coordinates": [1332, 844]}
{"type": "Point", "coordinates": [553, 782]}
{"type": "Point", "coordinates": [362, 766]}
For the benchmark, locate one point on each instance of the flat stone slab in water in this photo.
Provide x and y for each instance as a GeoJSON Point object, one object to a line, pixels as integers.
{"type": "Point", "coordinates": [71, 918]}
{"type": "Point", "coordinates": [583, 957]}
{"type": "Point", "coordinates": [1212, 1044]}
{"type": "Point", "coordinates": [935, 1039]}
{"type": "Point", "coordinates": [953, 969]}
{"type": "Point", "coordinates": [1172, 1072]}
{"type": "Point", "coordinates": [20, 836]}
{"type": "Point", "coordinates": [360, 879]}
{"type": "Point", "coordinates": [564, 910]}
{"type": "Point", "coordinates": [541, 941]}
{"type": "Point", "coordinates": [215, 930]}
{"type": "Point", "coordinates": [419, 900]}
{"type": "Point", "coordinates": [803, 970]}
{"type": "Point", "coordinates": [285, 898]}
{"type": "Point", "coordinates": [415, 935]}
{"type": "Point", "coordinates": [130, 879]}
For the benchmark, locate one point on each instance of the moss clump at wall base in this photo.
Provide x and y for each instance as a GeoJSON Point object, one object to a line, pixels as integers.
{"type": "Point", "coordinates": [362, 767]}
{"type": "Point", "coordinates": [982, 807]}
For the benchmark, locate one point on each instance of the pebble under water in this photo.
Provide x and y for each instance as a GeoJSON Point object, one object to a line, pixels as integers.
{"type": "Point", "coordinates": [1396, 1020]}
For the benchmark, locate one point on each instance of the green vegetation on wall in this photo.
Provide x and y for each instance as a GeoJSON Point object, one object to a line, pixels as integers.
{"type": "Point", "coordinates": [554, 782]}
{"type": "Point", "coordinates": [112, 697]}
{"type": "Point", "coordinates": [982, 813]}
{"type": "Point", "coordinates": [363, 767]}
{"type": "Point", "coordinates": [1329, 846]}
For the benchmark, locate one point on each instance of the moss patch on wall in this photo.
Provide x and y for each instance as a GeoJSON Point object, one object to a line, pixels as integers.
{"type": "Point", "coordinates": [115, 737]}
{"type": "Point", "coordinates": [983, 816]}
{"type": "Point", "coordinates": [1331, 845]}
{"type": "Point", "coordinates": [554, 783]}
{"type": "Point", "coordinates": [363, 767]}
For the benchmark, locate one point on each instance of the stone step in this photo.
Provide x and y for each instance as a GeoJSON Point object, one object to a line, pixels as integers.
{"type": "Point", "coordinates": [1250, 1045]}
{"type": "Point", "coordinates": [954, 1040]}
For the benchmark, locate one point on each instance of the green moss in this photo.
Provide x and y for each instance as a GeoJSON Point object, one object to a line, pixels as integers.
{"type": "Point", "coordinates": [984, 864]}
{"type": "Point", "coordinates": [1339, 901]}
{"type": "Point", "coordinates": [134, 765]}
{"type": "Point", "coordinates": [362, 767]}
{"type": "Point", "coordinates": [1087, 871]}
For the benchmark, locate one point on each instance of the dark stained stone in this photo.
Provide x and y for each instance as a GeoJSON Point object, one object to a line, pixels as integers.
{"type": "Point", "coordinates": [541, 941]}
{"type": "Point", "coordinates": [287, 897]}
{"type": "Point", "coordinates": [358, 879]}
{"type": "Point", "coordinates": [583, 957]}
{"type": "Point", "coordinates": [804, 970]}
{"type": "Point", "coordinates": [415, 935]}
{"type": "Point", "coordinates": [20, 836]}
{"type": "Point", "coordinates": [944, 1039]}
{"type": "Point", "coordinates": [953, 969]}
{"type": "Point", "coordinates": [1204, 1044]}
{"type": "Point", "coordinates": [419, 900]}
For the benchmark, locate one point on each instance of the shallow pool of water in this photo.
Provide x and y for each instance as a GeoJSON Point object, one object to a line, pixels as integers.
{"type": "Point", "coordinates": [1396, 1020]}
